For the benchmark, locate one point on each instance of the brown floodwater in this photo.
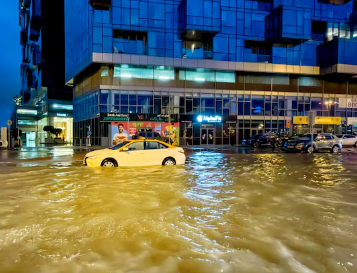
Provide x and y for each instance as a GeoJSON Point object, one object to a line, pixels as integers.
{"type": "Point", "coordinates": [219, 213]}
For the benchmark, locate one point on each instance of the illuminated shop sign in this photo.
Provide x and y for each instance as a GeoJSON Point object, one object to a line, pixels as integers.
{"type": "Point", "coordinates": [117, 117]}
{"type": "Point", "coordinates": [63, 107]}
{"type": "Point", "coordinates": [62, 115]}
{"type": "Point", "coordinates": [209, 119]}
{"type": "Point", "coordinates": [160, 118]}
{"type": "Point", "coordinates": [26, 122]}
{"type": "Point", "coordinates": [26, 112]}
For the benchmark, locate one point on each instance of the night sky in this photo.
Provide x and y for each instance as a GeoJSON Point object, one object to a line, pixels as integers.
{"type": "Point", "coordinates": [10, 60]}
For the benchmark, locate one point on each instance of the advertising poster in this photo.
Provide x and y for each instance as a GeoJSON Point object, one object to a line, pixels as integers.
{"type": "Point", "coordinates": [122, 131]}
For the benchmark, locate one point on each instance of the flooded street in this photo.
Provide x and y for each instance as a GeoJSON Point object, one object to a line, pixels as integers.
{"type": "Point", "coordinates": [218, 213]}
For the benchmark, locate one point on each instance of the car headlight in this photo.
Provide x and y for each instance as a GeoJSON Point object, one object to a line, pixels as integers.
{"type": "Point", "coordinates": [93, 157]}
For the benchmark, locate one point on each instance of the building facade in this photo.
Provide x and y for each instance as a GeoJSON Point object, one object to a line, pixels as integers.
{"type": "Point", "coordinates": [45, 98]}
{"type": "Point", "coordinates": [228, 69]}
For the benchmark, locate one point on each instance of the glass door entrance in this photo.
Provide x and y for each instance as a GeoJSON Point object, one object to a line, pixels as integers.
{"type": "Point", "coordinates": [207, 136]}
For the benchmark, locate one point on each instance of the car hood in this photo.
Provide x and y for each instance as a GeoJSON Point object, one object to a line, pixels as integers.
{"type": "Point", "coordinates": [99, 152]}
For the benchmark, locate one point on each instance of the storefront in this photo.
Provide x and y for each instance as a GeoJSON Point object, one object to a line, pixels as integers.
{"type": "Point", "coordinates": [322, 125]}
{"type": "Point", "coordinates": [203, 129]}
{"type": "Point", "coordinates": [164, 125]}
{"type": "Point", "coordinates": [58, 120]}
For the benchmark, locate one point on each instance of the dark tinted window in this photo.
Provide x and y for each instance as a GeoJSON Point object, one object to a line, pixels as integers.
{"type": "Point", "coordinates": [149, 135]}
{"type": "Point", "coordinates": [156, 134]}
{"type": "Point", "coordinates": [152, 145]}
{"type": "Point", "coordinates": [349, 136]}
{"type": "Point", "coordinates": [339, 136]}
{"type": "Point", "coordinates": [136, 146]}
{"type": "Point", "coordinates": [327, 137]}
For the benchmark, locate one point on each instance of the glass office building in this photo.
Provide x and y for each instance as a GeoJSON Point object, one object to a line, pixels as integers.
{"type": "Point", "coordinates": [226, 69]}
{"type": "Point", "coordinates": [45, 98]}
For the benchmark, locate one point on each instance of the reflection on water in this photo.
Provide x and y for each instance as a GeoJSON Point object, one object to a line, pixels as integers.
{"type": "Point", "coordinates": [219, 213]}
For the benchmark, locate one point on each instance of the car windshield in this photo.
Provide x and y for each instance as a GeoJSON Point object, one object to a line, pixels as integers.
{"type": "Point", "coordinates": [255, 137]}
{"type": "Point", "coordinates": [116, 147]}
{"type": "Point", "coordinates": [308, 136]}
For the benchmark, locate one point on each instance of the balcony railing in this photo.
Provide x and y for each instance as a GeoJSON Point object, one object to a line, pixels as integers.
{"type": "Point", "coordinates": [257, 58]}
{"type": "Point", "coordinates": [264, 58]}
{"type": "Point", "coordinates": [131, 47]}
{"type": "Point", "coordinates": [207, 55]}
{"type": "Point", "coordinates": [318, 37]}
{"type": "Point", "coordinates": [198, 54]}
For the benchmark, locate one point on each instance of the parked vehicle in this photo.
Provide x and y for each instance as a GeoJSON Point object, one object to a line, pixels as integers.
{"type": "Point", "coordinates": [320, 142]}
{"type": "Point", "coordinates": [263, 140]}
{"type": "Point", "coordinates": [348, 140]}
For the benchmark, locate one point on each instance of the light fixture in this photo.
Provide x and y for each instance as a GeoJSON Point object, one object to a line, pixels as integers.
{"type": "Point", "coordinates": [199, 79]}
{"type": "Point", "coordinates": [125, 75]}
{"type": "Point", "coordinates": [164, 78]}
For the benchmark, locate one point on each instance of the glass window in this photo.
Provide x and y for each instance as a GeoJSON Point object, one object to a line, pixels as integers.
{"type": "Point", "coordinates": [152, 145]}
{"type": "Point", "coordinates": [164, 73]}
{"type": "Point", "coordinates": [316, 104]}
{"type": "Point", "coordinates": [202, 75]}
{"type": "Point", "coordinates": [207, 100]}
{"type": "Point", "coordinates": [126, 71]}
{"type": "Point", "coordinates": [104, 71]}
{"type": "Point", "coordinates": [257, 105]}
{"type": "Point", "coordinates": [132, 99]}
{"type": "Point", "coordinates": [136, 146]}
{"type": "Point", "coordinates": [104, 97]}
{"type": "Point", "coordinates": [124, 99]}
{"type": "Point", "coordinates": [145, 100]}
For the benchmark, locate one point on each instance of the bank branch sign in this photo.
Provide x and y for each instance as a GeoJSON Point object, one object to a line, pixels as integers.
{"type": "Point", "coordinates": [209, 119]}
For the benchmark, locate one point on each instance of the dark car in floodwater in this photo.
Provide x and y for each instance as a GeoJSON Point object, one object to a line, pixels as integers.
{"type": "Point", "coordinates": [262, 140]}
{"type": "Point", "coordinates": [327, 142]}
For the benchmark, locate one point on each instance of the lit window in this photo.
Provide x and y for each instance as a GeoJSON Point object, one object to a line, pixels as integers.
{"type": "Point", "coordinates": [164, 73]}
{"type": "Point", "coordinates": [124, 71]}
{"type": "Point", "coordinates": [201, 75]}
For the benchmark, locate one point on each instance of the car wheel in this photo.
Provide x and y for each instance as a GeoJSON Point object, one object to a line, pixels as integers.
{"type": "Point", "coordinates": [276, 144]}
{"type": "Point", "coordinates": [255, 144]}
{"type": "Point", "coordinates": [310, 149]}
{"type": "Point", "coordinates": [109, 163]}
{"type": "Point", "coordinates": [335, 149]}
{"type": "Point", "coordinates": [169, 162]}
{"type": "Point", "coordinates": [355, 145]}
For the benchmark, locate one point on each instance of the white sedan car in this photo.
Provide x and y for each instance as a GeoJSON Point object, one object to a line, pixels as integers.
{"type": "Point", "coordinates": [136, 153]}
{"type": "Point", "coordinates": [348, 140]}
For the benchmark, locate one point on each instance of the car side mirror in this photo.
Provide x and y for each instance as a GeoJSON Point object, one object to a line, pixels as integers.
{"type": "Point", "coordinates": [125, 150]}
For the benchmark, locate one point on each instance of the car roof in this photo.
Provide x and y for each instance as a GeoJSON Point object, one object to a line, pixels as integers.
{"type": "Point", "coordinates": [149, 140]}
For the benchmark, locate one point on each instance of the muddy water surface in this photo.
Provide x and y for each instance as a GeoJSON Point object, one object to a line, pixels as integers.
{"type": "Point", "coordinates": [219, 213]}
